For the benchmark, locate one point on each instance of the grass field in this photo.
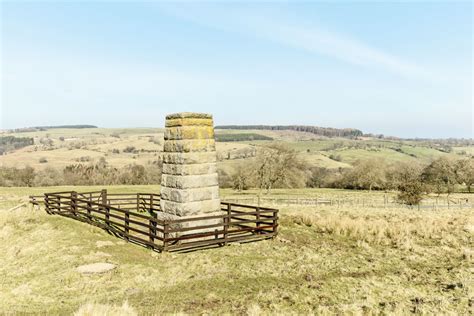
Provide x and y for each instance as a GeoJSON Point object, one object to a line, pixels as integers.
{"type": "Point", "coordinates": [326, 260]}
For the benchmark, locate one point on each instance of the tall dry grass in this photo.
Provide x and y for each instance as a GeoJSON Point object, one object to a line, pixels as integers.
{"type": "Point", "coordinates": [401, 228]}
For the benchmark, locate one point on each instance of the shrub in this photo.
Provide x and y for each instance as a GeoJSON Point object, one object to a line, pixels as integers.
{"type": "Point", "coordinates": [335, 157]}
{"type": "Point", "coordinates": [83, 159]}
{"type": "Point", "coordinates": [129, 149]}
{"type": "Point", "coordinates": [43, 160]}
{"type": "Point", "coordinates": [14, 177]}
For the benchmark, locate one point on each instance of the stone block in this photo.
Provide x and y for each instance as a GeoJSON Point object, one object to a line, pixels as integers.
{"type": "Point", "coordinates": [190, 145]}
{"type": "Point", "coordinates": [189, 169]}
{"type": "Point", "coordinates": [188, 115]}
{"type": "Point", "coordinates": [189, 132]}
{"type": "Point", "coordinates": [189, 182]}
{"type": "Point", "coordinates": [190, 195]}
{"type": "Point", "coordinates": [189, 158]}
{"type": "Point", "coordinates": [189, 122]}
{"type": "Point", "coordinates": [191, 208]}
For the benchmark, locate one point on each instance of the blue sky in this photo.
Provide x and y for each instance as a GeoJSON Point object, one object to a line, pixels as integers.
{"type": "Point", "coordinates": [402, 69]}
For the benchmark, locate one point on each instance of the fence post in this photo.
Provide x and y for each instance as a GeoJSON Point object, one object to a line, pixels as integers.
{"type": "Point", "coordinates": [74, 202]}
{"type": "Point", "coordinates": [89, 207]}
{"type": "Point", "coordinates": [107, 217]}
{"type": "Point", "coordinates": [227, 222]}
{"type": "Point", "coordinates": [275, 223]}
{"type": "Point", "coordinates": [138, 202]}
{"type": "Point", "coordinates": [127, 223]}
{"type": "Point", "coordinates": [103, 201]}
{"type": "Point", "coordinates": [151, 203]}
{"type": "Point", "coordinates": [258, 221]}
{"type": "Point", "coordinates": [152, 228]}
{"type": "Point", "coordinates": [165, 235]}
{"type": "Point", "coordinates": [46, 203]}
{"type": "Point", "coordinates": [103, 195]}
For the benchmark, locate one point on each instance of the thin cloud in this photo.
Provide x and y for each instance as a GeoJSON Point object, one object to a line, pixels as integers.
{"type": "Point", "coordinates": [341, 48]}
{"type": "Point", "coordinates": [283, 30]}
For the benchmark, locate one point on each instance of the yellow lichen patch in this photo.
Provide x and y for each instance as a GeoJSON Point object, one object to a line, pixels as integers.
{"type": "Point", "coordinates": [189, 122]}
{"type": "Point", "coordinates": [189, 115]}
{"type": "Point", "coordinates": [189, 132]}
{"type": "Point", "coordinates": [190, 145]}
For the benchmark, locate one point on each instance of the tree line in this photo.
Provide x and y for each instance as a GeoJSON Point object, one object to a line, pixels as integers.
{"type": "Point", "coordinates": [45, 128]}
{"type": "Point", "coordinates": [275, 166]}
{"type": "Point", "coordinates": [99, 173]}
{"type": "Point", "coordinates": [280, 167]}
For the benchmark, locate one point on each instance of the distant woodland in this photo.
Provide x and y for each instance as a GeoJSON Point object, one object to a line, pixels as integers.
{"type": "Point", "coordinates": [321, 131]}
{"type": "Point", "coordinates": [44, 128]}
{"type": "Point", "coordinates": [8, 143]}
{"type": "Point", "coordinates": [241, 137]}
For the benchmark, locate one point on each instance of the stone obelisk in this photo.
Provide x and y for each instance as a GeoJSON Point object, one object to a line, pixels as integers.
{"type": "Point", "coordinates": [189, 185]}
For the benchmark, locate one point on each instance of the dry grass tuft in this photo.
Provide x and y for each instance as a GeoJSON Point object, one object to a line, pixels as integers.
{"type": "Point", "coordinates": [91, 309]}
{"type": "Point", "coordinates": [398, 228]}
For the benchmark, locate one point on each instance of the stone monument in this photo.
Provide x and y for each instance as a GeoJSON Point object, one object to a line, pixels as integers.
{"type": "Point", "coordinates": [189, 185]}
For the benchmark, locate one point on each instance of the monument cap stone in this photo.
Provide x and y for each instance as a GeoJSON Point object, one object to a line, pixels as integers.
{"type": "Point", "coordinates": [188, 115]}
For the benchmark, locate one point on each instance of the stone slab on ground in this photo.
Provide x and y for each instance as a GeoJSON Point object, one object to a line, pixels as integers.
{"type": "Point", "coordinates": [98, 267]}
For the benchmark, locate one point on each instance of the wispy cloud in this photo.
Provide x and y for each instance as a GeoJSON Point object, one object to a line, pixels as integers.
{"type": "Point", "coordinates": [282, 29]}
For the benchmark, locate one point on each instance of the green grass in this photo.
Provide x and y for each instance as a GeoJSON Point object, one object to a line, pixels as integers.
{"type": "Point", "coordinates": [325, 261]}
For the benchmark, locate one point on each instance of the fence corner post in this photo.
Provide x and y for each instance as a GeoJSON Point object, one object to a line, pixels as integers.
{"type": "Point", "coordinates": [275, 223]}
{"type": "Point", "coordinates": [227, 222]}
{"type": "Point", "coordinates": [103, 195]}
{"type": "Point", "coordinates": [46, 204]}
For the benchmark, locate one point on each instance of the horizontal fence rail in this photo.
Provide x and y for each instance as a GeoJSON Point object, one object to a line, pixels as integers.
{"type": "Point", "coordinates": [382, 202]}
{"type": "Point", "coordinates": [138, 218]}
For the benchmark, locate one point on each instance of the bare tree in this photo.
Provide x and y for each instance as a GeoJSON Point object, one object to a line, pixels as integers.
{"type": "Point", "coordinates": [242, 178]}
{"type": "Point", "coordinates": [464, 170]}
{"type": "Point", "coordinates": [278, 165]}
{"type": "Point", "coordinates": [440, 175]}
{"type": "Point", "coordinates": [366, 174]}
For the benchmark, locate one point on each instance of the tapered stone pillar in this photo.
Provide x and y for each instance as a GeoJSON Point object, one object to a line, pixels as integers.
{"type": "Point", "coordinates": [189, 185]}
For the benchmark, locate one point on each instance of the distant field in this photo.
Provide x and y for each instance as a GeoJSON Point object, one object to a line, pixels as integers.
{"type": "Point", "coordinates": [326, 260]}
{"type": "Point", "coordinates": [70, 146]}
